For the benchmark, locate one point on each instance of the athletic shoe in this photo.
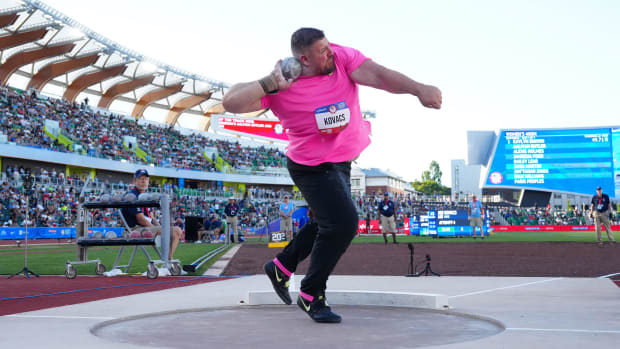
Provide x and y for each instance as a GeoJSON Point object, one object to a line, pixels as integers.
{"type": "Point", "coordinates": [318, 310]}
{"type": "Point", "coordinates": [279, 280]}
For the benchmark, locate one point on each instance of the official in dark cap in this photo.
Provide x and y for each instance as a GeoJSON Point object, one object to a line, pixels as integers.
{"type": "Point", "coordinates": [142, 218]}
{"type": "Point", "coordinates": [231, 210]}
{"type": "Point", "coordinates": [387, 214]}
{"type": "Point", "coordinates": [599, 210]}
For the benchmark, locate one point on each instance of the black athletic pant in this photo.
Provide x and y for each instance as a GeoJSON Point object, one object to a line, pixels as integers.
{"type": "Point", "coordinates": [327, 189]}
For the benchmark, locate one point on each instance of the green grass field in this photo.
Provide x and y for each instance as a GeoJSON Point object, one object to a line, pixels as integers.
{"type": "Point", "coordinates": [50, 259]}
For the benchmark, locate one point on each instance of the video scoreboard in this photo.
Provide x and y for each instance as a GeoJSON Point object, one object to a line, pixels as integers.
{"type": "Point", "coordinates": [444, 223]}
{"type": "Point", "coordinates": [568, 160]}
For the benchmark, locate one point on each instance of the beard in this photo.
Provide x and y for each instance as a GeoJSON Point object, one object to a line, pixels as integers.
{"type": "Point", "coordinates": [330, 68]}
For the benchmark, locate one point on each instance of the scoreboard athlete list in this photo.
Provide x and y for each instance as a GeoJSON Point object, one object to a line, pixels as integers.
{"type": "Point", "coordinates": [572, 160]}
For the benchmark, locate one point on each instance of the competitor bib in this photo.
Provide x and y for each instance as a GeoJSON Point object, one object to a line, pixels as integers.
{"type": "Point", "coordinates": [332, 118]}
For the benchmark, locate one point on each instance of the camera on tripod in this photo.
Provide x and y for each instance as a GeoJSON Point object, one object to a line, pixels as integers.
{"type": "Point", "coordinates": [412, 267]}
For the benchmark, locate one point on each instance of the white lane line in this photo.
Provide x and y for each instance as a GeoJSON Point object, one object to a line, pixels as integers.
{"type": "Point", "coordinates": [559, 330]}
{"type": "Point", "coordinates": [608, 276]}
{"type": "Point", "coordinates": [504, 288]}
{"type": "Point", "coordinates": [62, 317]}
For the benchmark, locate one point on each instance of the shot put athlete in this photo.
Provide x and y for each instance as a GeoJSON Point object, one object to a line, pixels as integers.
{"type": "Point", "coordinates": [321, 111]}
{"type": "Point", "coordinates": [140, 218]}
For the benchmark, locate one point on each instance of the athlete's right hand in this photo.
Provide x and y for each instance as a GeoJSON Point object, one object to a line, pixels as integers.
{"type": "Point", "coordinates": [283, 84]}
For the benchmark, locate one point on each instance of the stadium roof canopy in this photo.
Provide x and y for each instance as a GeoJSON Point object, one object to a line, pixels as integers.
{"type": "Point", "coordinates": [56, 55]}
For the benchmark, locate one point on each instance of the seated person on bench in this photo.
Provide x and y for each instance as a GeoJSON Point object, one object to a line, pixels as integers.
{"type": "Point", "coordinates": [141, 218]}
{"type": "Point", "coordinates": [212, 227]}
{"type": "Point", "coordinates": [205, 233]}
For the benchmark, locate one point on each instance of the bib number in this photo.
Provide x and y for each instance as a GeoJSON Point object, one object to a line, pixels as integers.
{"type": "Point", "coordinates": [332, 118]}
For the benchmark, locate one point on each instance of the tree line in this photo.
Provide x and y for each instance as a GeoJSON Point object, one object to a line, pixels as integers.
{"type": "Point", "coordinates": [430, 184]}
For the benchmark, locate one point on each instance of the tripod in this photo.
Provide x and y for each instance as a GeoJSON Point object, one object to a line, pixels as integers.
{"type": "Point", "coordinates": [411, 271]}
{"type": "Point", "coordinates": [25, 270]}
{"type": "Point", "coordinates": [427, 270]}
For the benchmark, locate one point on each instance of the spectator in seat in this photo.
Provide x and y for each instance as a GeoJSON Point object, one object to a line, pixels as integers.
{"type": "Point", "coordinates": [212, 227]}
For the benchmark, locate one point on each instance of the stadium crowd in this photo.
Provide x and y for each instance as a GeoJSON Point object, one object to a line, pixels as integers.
{"type": "Point", "coordinates": [53, 201]}
{"type": "Point", "coordinates": [544, 216]}
{"type": "Point", "coordinates": [23, 116]}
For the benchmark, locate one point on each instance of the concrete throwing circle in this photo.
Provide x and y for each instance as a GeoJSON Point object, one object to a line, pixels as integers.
{"type": "Point", "coordinates": [288, 327]}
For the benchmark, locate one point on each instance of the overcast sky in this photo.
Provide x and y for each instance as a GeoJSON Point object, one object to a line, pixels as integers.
{"type": "Point", "coordinates": [500, 64]}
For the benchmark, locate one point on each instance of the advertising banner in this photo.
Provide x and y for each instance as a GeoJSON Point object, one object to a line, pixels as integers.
{"type": "Point", "coordinates": [270, 129]}
{"type": "Point", "coordinates": [363, 229]}
{"type": "Point", "coordinates": [500, 228]}
{"type": "Point", "coordinates": [51, 233]}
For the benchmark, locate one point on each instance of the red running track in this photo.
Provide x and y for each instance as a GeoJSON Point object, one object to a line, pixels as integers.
{"type": "Point", "coordinates": [19, 294]}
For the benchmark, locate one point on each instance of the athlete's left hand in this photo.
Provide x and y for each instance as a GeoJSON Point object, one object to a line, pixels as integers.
{"type": "Point", "coordinates": [430, 96]}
